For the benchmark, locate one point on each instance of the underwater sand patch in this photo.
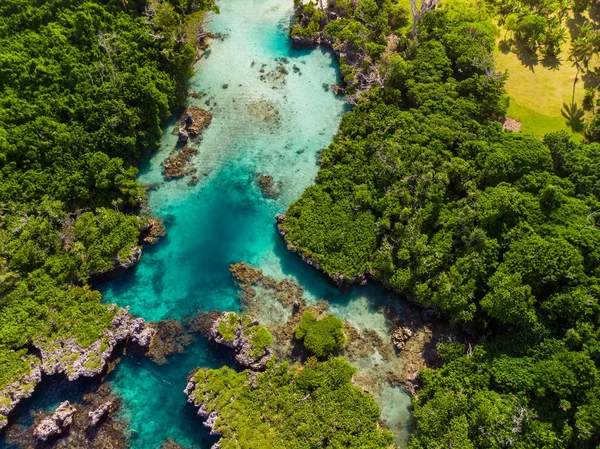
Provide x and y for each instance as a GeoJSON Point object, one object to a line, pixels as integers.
{"type": "Point", "coordinates": [264, 111]}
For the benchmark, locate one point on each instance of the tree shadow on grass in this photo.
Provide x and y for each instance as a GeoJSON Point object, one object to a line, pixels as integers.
{"type": "Point", "coordinates": [528, 58]}
{"type": "Point", "coordinates": [551, 62]}
{"type": "Point", "coordinates": [591, 78]}
{"type": "Point", "coordinates": [574, 116]}
{"type": "Point", "coordinates": [505, 45]}
{"type": "Point", "coordinates": [574, 24]}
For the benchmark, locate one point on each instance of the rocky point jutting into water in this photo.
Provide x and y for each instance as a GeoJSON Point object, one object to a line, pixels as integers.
{"type": "Point", "coordinates": [340, 280]}
{"type": "Point", "coordinates": [250, 341]}
{"type": "Point", "coordinates": [66, 356]}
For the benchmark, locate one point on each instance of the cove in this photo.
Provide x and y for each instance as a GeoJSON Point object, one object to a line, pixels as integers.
{"type": "Point", "coordinates": [225, 219]}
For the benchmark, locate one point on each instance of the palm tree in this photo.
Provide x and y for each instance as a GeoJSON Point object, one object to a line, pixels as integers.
{"type": "Point", "coordinates": [585, 47]}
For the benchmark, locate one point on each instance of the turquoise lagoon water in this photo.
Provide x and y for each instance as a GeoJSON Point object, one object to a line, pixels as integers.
{"type": "Point", "coordinates": [224, 219]}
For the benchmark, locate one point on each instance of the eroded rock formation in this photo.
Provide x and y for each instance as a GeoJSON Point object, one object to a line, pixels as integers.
{"type": "Point", "coordinates": [250, 341]}
{"type": "Point", "coordinates": [55, 424]}
{"type": "Point", "coordinates": [67, 356]}
{"type": "Point", "coordinates": [90, 424]}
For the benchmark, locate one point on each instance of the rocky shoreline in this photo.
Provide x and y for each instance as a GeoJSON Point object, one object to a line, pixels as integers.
{"type": "Point", "coordinates": [363, 75]}
{"type": "Point", "coordinates": [90, 423]}
{"type": "Point", "coordinates": [66, 356]}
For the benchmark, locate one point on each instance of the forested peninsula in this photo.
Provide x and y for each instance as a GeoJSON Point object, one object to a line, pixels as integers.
{"type": "Point", "coordinates": [84, 88]}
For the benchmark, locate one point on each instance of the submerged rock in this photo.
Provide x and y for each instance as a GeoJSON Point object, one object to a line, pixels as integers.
{"type": "Point", "coordinates": [250, 341]}
{"type": "Point", "coordinates": [264, 111]}
{"type": "Point", "coordinates": [98, 413]}
{"type": "Point", "coordinates": [177, 165]}
{"type": "Point", "coordinates": [268, 186]}
{"type": "Point", "coordinates": [170, 444]}
{"type": "Point", "coordinates": [170, 338]}
{"type": "Point", "coordinates": [203, 322]}
{"type": "Point", "coordinates": [56, 424]}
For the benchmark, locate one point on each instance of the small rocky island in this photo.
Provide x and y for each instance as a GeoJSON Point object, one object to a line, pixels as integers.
{"type": "Point", "coordinates": [250, 341]}
{"type": "Point", "coordinates": [192, 122]}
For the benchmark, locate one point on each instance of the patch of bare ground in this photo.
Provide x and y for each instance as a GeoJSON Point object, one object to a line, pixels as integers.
{"type": "Point", "coordinates": [511, 124]}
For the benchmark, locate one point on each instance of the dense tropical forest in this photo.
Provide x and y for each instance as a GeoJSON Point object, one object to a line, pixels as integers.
{"type": "Point", "coordinates": [84, 87]}
{"type": "Point", "coordinates": [424, 192]}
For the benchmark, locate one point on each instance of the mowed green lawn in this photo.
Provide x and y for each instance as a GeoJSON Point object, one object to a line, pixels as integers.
{"type": "Point", "coordinates": [537, 94]}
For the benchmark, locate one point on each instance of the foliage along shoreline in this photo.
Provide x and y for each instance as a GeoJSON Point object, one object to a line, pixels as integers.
{"type": "Point", "coordinates": [283, 405]}
{"type": "Point", "coordinates": [84, 88]}
{"type": "Point", "coordinates": [423, 191]}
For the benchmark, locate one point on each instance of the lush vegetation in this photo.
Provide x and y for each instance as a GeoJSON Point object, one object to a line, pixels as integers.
{"type": "Point", "coordinates": [258, 336]}
{"type": "Point", "coordinates": [84, 86]}
{"type": "Point", "coordinates": [321, 336]}
{"type": "Point", "coordinates": [422, 191]}
{"type": "Point", "coordinates": [290, 407]}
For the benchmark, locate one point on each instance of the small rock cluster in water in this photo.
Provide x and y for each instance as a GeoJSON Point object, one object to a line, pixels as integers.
{"type": "Point", "coordinates": [268, 186]}
{"type": "Point", "coordinates": [90, 424]}
{"type": "Point", "coordinates": [191, 124]}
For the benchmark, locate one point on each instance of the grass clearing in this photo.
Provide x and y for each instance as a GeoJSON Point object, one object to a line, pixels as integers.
{"type": "Point", "coordinates": [537, 93]}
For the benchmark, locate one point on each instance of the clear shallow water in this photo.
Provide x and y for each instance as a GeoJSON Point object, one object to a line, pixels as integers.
{"type": "Point", "coordinates": [224, 219]}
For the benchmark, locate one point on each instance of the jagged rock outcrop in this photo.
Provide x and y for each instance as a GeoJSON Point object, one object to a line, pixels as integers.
{"type": "Point", "coordinates": [194, 120]}
{"type": "Point", "coordinates": [66, 356]}
{"type": "Point", "coordinates": [22, 388]}
{"type": "Point", "coordinates": [152, 230]}
{"type": "Point", "coordinates": [56, 424]}
{"type": "Point", "coordinates": [93, 425]}
{"type": "Point", "coordinates": [98, 413]}
{"type": "Point", "coordinates": [210, 419]}
{"type": "Point", "coordinates": [250, 341]}
{"type": "Point", "coordinates": [135, 253]}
